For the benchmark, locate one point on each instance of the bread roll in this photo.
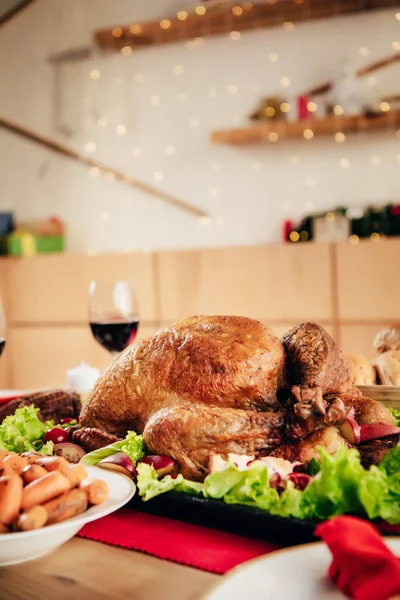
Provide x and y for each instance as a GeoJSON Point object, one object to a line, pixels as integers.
{"type": "Point", "coordinates": [362, 370]}
{"type": "Point", "coordinates": [388, 367]}
{"type": "Point", "coordinates": [389, 339]}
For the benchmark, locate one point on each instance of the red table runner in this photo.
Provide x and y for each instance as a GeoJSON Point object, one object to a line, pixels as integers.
{"type": "Point", "coordinates": [191, 545]}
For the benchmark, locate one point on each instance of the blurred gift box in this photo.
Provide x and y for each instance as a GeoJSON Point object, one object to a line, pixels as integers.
{"type": "Point", "coordinates": [33, 238]}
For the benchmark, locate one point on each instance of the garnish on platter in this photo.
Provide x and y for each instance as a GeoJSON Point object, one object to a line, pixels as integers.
{"type": "Point", "coordinates": [24, 432]}
{"type": "Point", "coordinates": [120, 462]}
{"type": "Point", "coordinates": [336, 484]}
{"type": "Point", "coordinates": [357, 434]}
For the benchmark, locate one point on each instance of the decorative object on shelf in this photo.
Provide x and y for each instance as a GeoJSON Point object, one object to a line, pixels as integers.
{"type": "Point", "coordinates": [302, 108]}
{"type": "Point", "coordinates": [36, 238]}
{"type": "Point", "coordinates": [350, 93]}
{"type": "Point", "coordinates": [287, 228]}
{"type": "Point", "coordinates": [342, 224]}
{"type": "Point", "coordinates": [375, 221]}
{"type": "Point", "coordinates": [6, 223]}
{"type": "Point", "coordinates": [347, 95]}
{"type": "Point", "coordinates": [271, 108]}
{"type": "Point", "coordinates": [346, 104]}
{"type": "Point", "coordinates": [299, 129]}
{"type": "Point", "coordinates": [6, 228]}
{"type": "Point", "coordinates": [331, 228]}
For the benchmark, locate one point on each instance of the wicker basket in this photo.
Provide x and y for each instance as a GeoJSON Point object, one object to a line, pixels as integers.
{"type": "Point", "coordinates": [389, 395]}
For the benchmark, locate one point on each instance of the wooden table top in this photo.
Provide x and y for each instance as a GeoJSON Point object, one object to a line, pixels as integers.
{"type": "Point", "coordinates": [86, 570]}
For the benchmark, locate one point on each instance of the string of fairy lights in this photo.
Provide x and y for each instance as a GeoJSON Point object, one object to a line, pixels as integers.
{"type": "Point", "coordinates": [273, 137]}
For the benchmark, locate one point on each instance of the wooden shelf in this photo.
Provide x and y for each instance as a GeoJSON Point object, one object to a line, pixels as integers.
{"type": "Point", "coordinates": [320, 127]}
{"type": "Point", "coordinates": [232, 16]}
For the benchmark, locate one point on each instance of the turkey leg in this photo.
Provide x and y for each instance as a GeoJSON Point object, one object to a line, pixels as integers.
{"type": "Point", "coordinates": [191, 434]}
{"type": "Point", "coordinates": [319, 376]}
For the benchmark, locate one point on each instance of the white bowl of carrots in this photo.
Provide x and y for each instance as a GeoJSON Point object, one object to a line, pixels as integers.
{"type": "Point", "coordinates": [45, 501]}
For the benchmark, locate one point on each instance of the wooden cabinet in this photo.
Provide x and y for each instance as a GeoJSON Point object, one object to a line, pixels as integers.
{"type": "Point", "coordinates": [368, 281]}
{"type": "Point", "coordinates": [275, 283]}
{"type": "Point", "coordinates": [54, 288]}
{"type": "Point", "coordinates": [351, 290]}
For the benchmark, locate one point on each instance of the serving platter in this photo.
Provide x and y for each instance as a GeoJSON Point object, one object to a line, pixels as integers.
{"type": "Point", "coordinates": [235, 518]}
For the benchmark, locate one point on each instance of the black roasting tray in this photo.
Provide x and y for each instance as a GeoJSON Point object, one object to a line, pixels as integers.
{"type": "Point", "coordinates": [234, 518]}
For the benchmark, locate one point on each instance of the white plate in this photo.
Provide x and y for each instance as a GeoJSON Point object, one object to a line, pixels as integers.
{"type": "Point", "coordinates": [26, 545]}
{"type": "Point", "coordinates": [295, 573]}
{"type": "Point", "coordinates": [11, 393]}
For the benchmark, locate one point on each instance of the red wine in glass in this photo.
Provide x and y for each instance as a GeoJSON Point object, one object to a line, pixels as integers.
{"type": "Point", "coordinates": [115, 336]}
{"type": "Point", "coordinates": [113, 314]}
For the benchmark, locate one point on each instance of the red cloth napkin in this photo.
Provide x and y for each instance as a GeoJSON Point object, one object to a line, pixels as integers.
{"type": "Point", "coordinates": [363, 567]}
{"type": "Point", "coordinates": [183, 543]}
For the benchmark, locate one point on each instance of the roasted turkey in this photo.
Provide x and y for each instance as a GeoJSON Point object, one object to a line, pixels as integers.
{"type": "Point", "coordinates": [210, 385]}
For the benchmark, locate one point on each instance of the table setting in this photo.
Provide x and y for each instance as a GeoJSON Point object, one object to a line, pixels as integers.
{"type": "Point", "coordinates": [322, 504]}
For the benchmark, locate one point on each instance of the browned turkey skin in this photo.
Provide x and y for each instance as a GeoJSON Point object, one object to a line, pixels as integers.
{"type": "Point", "coordinates": [211, 385]}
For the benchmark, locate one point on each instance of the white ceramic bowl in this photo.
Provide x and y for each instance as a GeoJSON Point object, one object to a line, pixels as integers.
{"type": "Point", "coordinates": [389, 395]}
{"type": "Point", "coordinates": [26, 545]}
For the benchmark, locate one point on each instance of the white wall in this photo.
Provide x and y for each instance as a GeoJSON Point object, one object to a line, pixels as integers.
{"type": "Point", "coordinates": [247, 190]}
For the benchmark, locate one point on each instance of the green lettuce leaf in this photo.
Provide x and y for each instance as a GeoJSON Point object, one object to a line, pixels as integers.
{"type": "Point", "coordinates": [132, 445]}
{"type": "Point", "coordinates": [390, 510]}
{"type": "Point", "coordinates": [396, 415]}
{"type": "Point", "coordinates": [253, 489]}
{"type": "Point", "coordinates": [343, 486]}
{"type": "Point", "coordinates": [219, 483]}
{"type": "Point", "coordinates": [150, 486]}
{"type": "Point", "coordinates": [391, 461]}
{"type": "Point", "coordinates": [372, 491]}
{"type": "Point", "coordinates": [290, 503]}
{"type": "Point", "coordinates": [337, 488]}
{"type": "Point", "coordinates": [249, 487]}
{"type": "Point", "coordinates": [23, 432]}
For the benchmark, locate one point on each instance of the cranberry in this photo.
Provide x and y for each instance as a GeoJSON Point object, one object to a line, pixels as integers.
{"type": "Point", "coordinates": [300, 480]}
{"type": "Point", "coordinates": [65, 420]}
{"type": "Point", "coordinates": [56, 435]}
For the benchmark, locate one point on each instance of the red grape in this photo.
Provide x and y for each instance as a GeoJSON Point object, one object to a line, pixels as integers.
{"type": "Point", "coordinates": [56, 435]}
{"type": "Point", "coordinates": [72, 452]}
{"type": "Point", "coordinates": [65, 420]}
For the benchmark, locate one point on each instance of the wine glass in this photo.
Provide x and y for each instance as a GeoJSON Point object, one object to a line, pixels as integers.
{"type": "Point", "coordinates": [113, 314]}
{"type": "Point", "coordinates": [2, 329]}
